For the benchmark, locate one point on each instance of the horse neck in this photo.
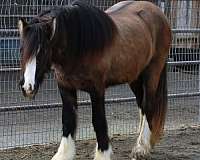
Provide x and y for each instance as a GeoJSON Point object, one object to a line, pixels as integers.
{"type": "Point", "coordinates": [63, 62]}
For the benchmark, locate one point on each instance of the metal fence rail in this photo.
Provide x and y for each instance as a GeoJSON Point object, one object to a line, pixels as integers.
{"type": "Point", "coordinates": [24, 122]}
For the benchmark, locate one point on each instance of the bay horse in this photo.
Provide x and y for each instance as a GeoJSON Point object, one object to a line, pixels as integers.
{"type": "Point", "coordinates": [90, 50]}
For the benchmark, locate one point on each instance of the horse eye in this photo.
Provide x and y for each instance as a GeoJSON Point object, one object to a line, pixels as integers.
{"type": "Point", "coordinates": [21, 49]}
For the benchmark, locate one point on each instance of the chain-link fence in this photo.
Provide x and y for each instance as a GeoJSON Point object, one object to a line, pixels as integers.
{"type": "Point", "coordinates": [24, 122]}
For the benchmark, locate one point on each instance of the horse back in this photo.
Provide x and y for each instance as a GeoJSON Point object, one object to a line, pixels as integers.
{"type": "Point", "coordinates": [134, 14]}
{"type": "Point", "coordinates": [143, 35]}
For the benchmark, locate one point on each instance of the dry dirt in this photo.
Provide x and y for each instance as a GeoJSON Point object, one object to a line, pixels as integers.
{"type": "Point", "coordinates": [182, 144]}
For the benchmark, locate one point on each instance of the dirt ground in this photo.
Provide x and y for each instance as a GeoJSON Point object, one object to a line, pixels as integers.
{"type": "Point", "coordinates": [182, 144]}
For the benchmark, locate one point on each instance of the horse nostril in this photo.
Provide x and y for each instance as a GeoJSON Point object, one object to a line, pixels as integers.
{"type": "Point", "coordinates": [21, 83]}
{"type": "Point", "coordinates": [30, 87]}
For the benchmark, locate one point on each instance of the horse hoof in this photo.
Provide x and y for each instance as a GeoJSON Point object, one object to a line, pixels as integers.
{"type": "Point", "coordinates": [106, 155]}
{"type": "Point", "coordinates": [66, 150]}
{"type": "Point", "coordinates": [140, 153]}
{"type": "Point", "coordinates": [59, 156]}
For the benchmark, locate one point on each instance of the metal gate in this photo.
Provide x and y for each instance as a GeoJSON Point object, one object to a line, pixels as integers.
{"type": "Point", "coordinates": [24, 122]}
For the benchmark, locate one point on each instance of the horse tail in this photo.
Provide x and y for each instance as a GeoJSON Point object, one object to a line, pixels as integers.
{"type": "Point", "coordinates": [159, 108]}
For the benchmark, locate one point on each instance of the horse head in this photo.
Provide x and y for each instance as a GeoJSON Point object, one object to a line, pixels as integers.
{"type": "Point", "coordinates": [35, 53]}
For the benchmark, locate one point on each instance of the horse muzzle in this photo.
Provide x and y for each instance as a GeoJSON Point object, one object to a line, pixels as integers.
{"type": "Point", "coordinates": [28, 90]}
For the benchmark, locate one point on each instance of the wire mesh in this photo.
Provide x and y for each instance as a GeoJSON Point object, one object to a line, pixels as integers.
{"type": "Point", "coordinates": [24, 122]}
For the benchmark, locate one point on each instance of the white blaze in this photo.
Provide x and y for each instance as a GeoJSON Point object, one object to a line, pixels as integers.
{"type": "Point", "coordinates": [66, 150]}
{"type": "Point", "coordinates": [29, 74]}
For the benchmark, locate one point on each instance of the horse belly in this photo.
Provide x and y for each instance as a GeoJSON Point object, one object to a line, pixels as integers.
{"type": "Point", "coordinates": [123, 71]}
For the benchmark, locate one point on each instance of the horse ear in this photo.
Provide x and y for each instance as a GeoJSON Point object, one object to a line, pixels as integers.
{"type": "Point", "coordinates": [21, 24]}
{"type": "Point", "coordinates": [53, 28]}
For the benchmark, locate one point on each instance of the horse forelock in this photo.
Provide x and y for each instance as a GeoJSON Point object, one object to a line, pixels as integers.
{"type": "Point", "coordinates": [83, 29]}
{"type": "Point", "coordinates": [34, 40]}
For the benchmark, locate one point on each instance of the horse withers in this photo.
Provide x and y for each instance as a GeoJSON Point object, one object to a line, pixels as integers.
{"type": "Point", "coordinates": [90, 50]}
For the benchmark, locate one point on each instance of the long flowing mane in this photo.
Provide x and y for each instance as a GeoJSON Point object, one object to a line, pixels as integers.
{"type": "Point", "coordinates": [88, 29]}
{"type": "Point", "coordinates": [81, 28]}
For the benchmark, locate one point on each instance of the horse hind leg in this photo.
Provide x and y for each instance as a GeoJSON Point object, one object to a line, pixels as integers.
{"type": "Point", "coordinates": [142, 146]}
{"type": "Point", "coordinates": [153, 110]}
{"type": "Point", "coordinates": [138, 90]}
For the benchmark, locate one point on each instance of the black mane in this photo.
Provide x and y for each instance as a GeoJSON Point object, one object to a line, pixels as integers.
{"type": "Point", "coordinates": [82, 28]}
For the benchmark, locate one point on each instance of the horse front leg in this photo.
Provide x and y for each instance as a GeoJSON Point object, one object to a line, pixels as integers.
{"type": "Point", "coordinates": [66, 150]}
{"type": "Point", "coordinates": [103, 147]}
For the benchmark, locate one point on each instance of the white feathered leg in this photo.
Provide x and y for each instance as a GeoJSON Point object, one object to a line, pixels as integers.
{"type": "Point", "coordinates": [66, 150]}
{"type": "Point", "coordinates": [143, 145]}
{"type": "Point", "coordinates": [105, 155]}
